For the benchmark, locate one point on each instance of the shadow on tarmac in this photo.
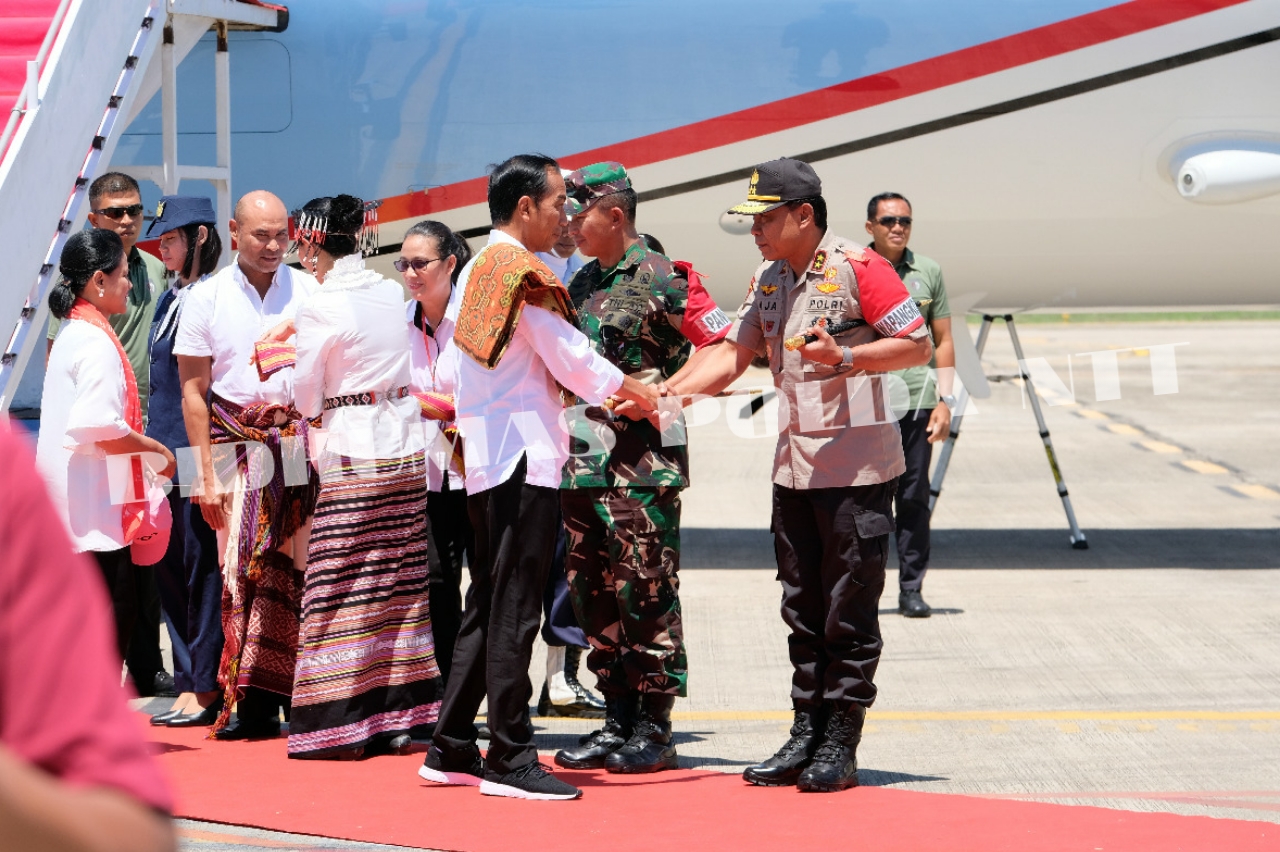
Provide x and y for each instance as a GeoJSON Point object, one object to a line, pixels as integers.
{"type": "Point", "coordinates": [1209, 549]}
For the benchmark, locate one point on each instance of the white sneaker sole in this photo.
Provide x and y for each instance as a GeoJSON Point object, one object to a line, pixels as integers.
{"type": "Point", "coordinates": [454, 779]}
{"type": "Point", "coordinates": [492, 788]}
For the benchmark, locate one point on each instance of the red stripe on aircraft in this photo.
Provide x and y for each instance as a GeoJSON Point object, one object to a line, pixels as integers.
{"type": "Point", "coordinates": [980, 60]}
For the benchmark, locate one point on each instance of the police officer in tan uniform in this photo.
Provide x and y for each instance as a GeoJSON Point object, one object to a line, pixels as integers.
{"type": "Point", "coordinates": [837, 460]}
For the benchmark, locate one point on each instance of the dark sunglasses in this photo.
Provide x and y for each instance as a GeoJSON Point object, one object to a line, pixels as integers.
{"type": "Point", "coordinates": [417, 263]}
{"type": "Point", "coordinates": [890, 221]}
{"type": "Point", "coordinates": [133, 210]}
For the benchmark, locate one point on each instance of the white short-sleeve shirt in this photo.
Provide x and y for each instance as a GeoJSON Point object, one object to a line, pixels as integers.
{"type": "Point", "coordinates": [82, 404]}
{"type": "Point", "coordinates": [225, 316]}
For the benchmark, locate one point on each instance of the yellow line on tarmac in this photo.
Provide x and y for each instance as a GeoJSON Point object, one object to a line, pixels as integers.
{"type": "Point", "coordinates": [1257, 492]}
{"type": "Point", "coordinates": [1203, 467]}
{"type": "Point", "coordinates": [997, 715]}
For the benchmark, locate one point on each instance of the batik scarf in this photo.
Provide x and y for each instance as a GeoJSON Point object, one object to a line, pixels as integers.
{"type": "Point", "coordinates": [504, 278]}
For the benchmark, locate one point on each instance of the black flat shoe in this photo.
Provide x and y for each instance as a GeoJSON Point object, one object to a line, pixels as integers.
{"type": "Point", "coordinates": [163, 718]}
{"type": "Point", "coordinates": [248, 731]}
{"type": "Point", "coordinates": [399, 744]}
{"type": "Point", "coordinates": [331, 754]}
{"type": "Point", "coordinates": [201, 719]}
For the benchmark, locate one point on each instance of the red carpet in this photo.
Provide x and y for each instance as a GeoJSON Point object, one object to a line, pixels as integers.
{"type": "Point", "coordinates": [382, 800]}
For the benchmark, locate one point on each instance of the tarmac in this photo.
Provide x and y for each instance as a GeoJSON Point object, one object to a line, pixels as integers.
{"type": "Point", "coordinates": [1139, 674]}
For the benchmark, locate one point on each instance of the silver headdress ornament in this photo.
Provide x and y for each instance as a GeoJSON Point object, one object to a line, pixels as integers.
{"type": "Point", "coordinates": [308, 228]}
{"type": "Point", "coordinates": [368, 237]}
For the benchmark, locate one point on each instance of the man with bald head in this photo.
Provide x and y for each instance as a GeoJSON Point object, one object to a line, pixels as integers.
{"type": "Point", "coordinates": [261, 505]}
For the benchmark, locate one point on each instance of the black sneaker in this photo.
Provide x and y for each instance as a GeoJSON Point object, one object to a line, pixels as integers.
{"type": "Point", "coordinates": [911, 604]}
{"type": "Point", "coordinates": [435, 769]}
{"type": "Point", "coordinates": [533, 781]}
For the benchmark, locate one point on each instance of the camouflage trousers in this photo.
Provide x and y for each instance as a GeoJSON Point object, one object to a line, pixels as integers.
{"type": "Point", "coordinates": [622, 558]}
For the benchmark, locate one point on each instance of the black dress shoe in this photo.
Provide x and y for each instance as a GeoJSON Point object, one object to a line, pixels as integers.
{"type": "Point", "coordinates": [912, 605]}
{"type": "Point", "coordinates": [200, 719]}
{"type": "Point", "coordinates": [239, 730]}
{"type": "Point", "coordinates": [163, 718]}
{"type": "Point", "coordinates": [163, 685]}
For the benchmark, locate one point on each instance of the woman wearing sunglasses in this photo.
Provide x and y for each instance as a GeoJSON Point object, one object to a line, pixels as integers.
{"type": "Point", "coordinates": [431, 258]}
{"type": "Point", "coordinates": [366, 674]}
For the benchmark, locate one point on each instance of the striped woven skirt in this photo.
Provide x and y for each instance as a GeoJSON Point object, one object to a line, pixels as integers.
{"type": "Point", "coordinates": [366, 658]}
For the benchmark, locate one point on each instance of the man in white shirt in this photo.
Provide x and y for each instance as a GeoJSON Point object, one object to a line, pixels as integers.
{"type": "Point", "coordinates": [225, 402]}
{"type": "Point", "coordinates": [515, 347]}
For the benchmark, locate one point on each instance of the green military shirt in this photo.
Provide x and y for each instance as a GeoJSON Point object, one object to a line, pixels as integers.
{"type": "Point", "coordinates": [133, 327]}
{"type": "Point", "coordinates": [923, 278]}
{"type": "Point", "coordinates": [632, 314]}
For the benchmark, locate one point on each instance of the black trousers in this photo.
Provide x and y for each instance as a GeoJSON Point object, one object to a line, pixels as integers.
{"type": "Point", "coordinates": [144, 660]}
{"type": "Point", "coordinates": [449, 540]}
{"type": "Point", "coordinates": [912, 502]}
{"type": "Point", "coordinates": [190, 584]}
{"type": "Point", "coordinates": [515, 531]}
{"type": "Point", "coordinates": [121, 580]}
{"type": "Point", "coordinates": [831, 545]}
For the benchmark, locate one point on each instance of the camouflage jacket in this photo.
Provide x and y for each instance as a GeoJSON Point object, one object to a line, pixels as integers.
{"type": "Point", "coordinates": [632, 314]}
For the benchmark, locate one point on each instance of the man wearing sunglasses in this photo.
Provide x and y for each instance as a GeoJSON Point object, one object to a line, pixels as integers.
{"type": "Point", "coordinates": [115, 203]}
{"type": "Point", "coordinates": [926, 418]}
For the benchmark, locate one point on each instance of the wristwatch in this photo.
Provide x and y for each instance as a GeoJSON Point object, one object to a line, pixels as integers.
{"type": "Point", "coordinates": [847, 361]}
{"type": "Point", "coordinates": [948, 399]}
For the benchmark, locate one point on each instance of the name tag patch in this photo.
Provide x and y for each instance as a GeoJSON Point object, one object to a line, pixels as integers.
{"type": "Point", "coordinates": [823, 304]}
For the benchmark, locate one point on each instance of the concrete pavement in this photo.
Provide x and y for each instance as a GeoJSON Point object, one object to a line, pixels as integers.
{"type": "Point", "coordinates": [1138, 674]}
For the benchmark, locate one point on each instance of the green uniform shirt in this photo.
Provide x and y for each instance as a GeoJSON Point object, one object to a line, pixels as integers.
{"type": "Point", "coordinates": [923, 278]}
{"type": "Point", "coordinates": [133, 327]}
{"type": "Point", "coordinates": [632, 314]}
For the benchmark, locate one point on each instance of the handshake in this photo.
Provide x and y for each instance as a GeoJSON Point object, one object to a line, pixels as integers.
{"type": "Point", "coordinates": [639, 398]}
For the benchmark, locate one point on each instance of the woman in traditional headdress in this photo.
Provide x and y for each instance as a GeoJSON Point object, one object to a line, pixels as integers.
{"type": "Point", "coordinates": [366, 673]}
{"type": "Point", "coordinates": [188, 575]}
{"type": "Point", "coordinates": [89, 411]}
{"type": "Point", "coordinates": [431, 258]}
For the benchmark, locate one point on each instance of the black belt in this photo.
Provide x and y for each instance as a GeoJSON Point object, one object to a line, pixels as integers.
{"type": "Point", "coordinates": [366, 398]}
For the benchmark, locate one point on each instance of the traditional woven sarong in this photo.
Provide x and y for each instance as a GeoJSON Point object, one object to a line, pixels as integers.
{"type": "Point", "coordinates": [503, 279]}
{"type": "Point", "coordinates": [366, 656]}
{"type": "Point", "coordinates": [262, 590]}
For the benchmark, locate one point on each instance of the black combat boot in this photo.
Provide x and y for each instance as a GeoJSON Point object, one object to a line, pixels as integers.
{"type": "Point", "coordinates": [619, 723]}
{"type": "Point", "coordinates": [649, 749]}
{"type": "Point", "coordinates": [835, 766]}
{"type": "Point", "coordinates": [784, 768]}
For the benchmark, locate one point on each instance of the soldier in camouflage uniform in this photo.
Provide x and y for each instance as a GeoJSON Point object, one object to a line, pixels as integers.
{"type": "Point", "coordinates": [622, 507]}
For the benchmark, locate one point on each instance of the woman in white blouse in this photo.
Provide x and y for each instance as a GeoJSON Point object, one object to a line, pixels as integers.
{"type": "Point", "coordinates": [431, 257]}
{"type": "Point", "coordinates": [366, 673]}
{"type": "Point", "coordinates": [90, 411]}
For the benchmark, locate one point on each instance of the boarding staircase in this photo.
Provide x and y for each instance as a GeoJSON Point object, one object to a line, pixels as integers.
{"type": "Point", "coordinates": [75, 73]}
